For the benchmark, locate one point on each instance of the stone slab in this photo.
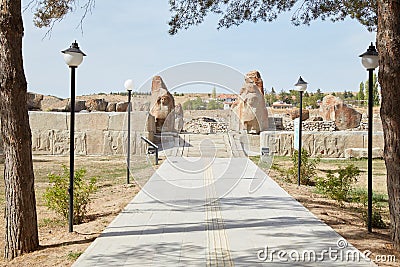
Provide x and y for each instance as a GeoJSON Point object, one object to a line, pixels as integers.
{"type": "Point", "coordinates": [48, 120]}
{"type": "Point", "coordinates": [323, 144]}
{"type": "Point", "coordinates": [228, 214]}
{"type": "Point", "coordinates": [90, 121]}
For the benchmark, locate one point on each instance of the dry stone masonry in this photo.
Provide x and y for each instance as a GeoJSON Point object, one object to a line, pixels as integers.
{"type": "Point", "coordinates": [206, 125]}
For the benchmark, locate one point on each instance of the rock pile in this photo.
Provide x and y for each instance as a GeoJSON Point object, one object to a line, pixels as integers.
{"type": "Point", "coordinates": [206, 125]}
{"type": "Point", "coordinates": [312, 126]}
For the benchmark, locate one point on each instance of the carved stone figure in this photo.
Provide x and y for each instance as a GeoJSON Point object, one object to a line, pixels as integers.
{"type": "Point", "coordinates": [250, 109]}
{"type": "Point", "coordinates": [255, 76]}
{"type": "Point", "coordinates": [178, 118]}
{"type": "Point", "coordinates": [162, 106]}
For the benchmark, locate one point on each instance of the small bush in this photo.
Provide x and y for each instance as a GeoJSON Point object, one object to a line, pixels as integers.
{"type": "Point", "coordinates": [307, 170]}
{"type": "Point", "coordinates": [360, 195]}
{"type": "Point", "coordinates": [57, 196]}
{"type": "Point", "coordinates": [339, 183]}
{"type": "Point", "coordinates": [377, 221]}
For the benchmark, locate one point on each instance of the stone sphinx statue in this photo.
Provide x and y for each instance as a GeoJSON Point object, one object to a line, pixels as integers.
{"type": "Point", "coordinates": [249, 112]}
{"type": "Point", "coordinates": [162, 106]}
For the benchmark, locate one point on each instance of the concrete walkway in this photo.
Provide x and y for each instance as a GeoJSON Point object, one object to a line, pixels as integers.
{"type": "Point", "coordinates": [217, 212]}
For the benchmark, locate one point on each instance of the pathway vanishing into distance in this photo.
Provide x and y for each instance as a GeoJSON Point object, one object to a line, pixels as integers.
{"type": "Point", "coordinates": [202, 210]}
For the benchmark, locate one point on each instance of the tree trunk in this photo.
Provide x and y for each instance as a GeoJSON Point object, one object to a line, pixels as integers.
{"type": "Point", "coordinates": [20, 211]}
{"type": "Point", "coordinates": [388, 42]}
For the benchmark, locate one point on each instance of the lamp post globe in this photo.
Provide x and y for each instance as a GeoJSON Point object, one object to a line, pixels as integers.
{"type": "Point", "coordinates": [128, 84]}
{"type": "Point", "coordinates": [370, 59]}
{"type": "Point", "coordinates": [73, 56]}
{"type": "Point", "coordinates": [301, 86]}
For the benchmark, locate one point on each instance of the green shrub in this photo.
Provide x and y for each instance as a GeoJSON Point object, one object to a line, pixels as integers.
{"type": "Point", "coordinates": [307, 170]}
{"type": "Point", "coordinates": [360, 195]}
{"type": "Point", "coordinates": [57, 197]}
{"type": "Point", "coordinates": [377, 221]}
{"type": "Point", "coordinates": [339, 183]}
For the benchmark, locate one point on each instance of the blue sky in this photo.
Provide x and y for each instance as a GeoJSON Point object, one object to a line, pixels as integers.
{"type": "Point", "coordinates": [129, 40]}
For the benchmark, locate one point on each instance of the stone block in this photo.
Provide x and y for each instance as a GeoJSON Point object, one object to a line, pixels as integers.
{"type": "Point", "coordinates": [95, 142]}
{"type": "Point", "coordinates": [111, 107]}
{"type": "Point", "coordinates": [286, 144]}
{"type": "Point", "coordinates": [39, 120]}
{"type": "Point", "coordinates": [34, 101]}
{"type": "Point", "coordinates": [114, 142]}
{"type": "Point", "coordinates": [354, 138]}
{"type": "Point", "coordinates": [378, 140]}
{"type": "Point", "coordinates": [79, 106]}
{"type": "Point", "coordinates": [42, 141]}
{"type": "Point", "coordinates": [118, 121]}
{"type": "Point", "coordinates": [122, 107]}
{"type": "Point", "coordinates": [359, 153]}
{"type": "Point", "coordinates": [90, 121]}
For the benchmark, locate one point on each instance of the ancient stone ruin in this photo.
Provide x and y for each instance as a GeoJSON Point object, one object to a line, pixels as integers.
{"type": "Point", "coordinates": [345, 117]}
{"type": "Point", "coordinates": [179, 118]}
{"type": "Point", "coordinates": [162, 106]}
{"type": "Point", "coordinates": [249, 112]}
{"type": "Point", "coordinates": [34, 101]}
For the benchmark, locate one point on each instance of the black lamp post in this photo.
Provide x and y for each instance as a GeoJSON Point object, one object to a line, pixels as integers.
{"type": "Point", "coordinates": [370, 61]}
{"type": "Point", "coordinates": [73, 56]}
{"type": "Point", "coordinates": [128, 86]}
{"type": "Point", "coordinates": [301, 86]}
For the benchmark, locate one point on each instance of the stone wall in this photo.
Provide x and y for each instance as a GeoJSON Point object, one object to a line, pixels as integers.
{"type": "Point", "coordinates": [323, 144]}
{"type": "Point", "coordinates": [313, 126]}
{"type": "Point", "coordinates": [96, 133]}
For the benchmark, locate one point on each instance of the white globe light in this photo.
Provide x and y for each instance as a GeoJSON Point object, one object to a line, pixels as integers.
{"type": "Point", "coordinates": [128, 85]}
{"type": "Point", "coordinates": [370, 59]}
{"type": "Point", "coordinates": [73, 59]}
{"type": "Point", "coordinates": [370, 62]}
{"type": "Point", "coordinates": [73, 56]}
{"type": "Point", "coordinates": [301, 85]}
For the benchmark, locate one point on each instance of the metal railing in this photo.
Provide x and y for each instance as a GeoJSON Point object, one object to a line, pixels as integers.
{"type": "Point", "coordinates": [153, 149]}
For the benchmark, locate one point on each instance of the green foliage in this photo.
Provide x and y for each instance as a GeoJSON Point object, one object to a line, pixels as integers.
{"type": "Point", "coordinates": [57, 197]}
{"type": "Point", "coordinates": [338, 183]}
{"type": "Point", "coordinates": [214, 93]}
{"type": "Point", "coordinates": [360, 195]}
{"type": "Point", "coordinates": [377, 221]}
{"type": "Point", "coordinates": [195, 104]}
{"type": "Point", "coordinates": [199, 104]}
{"type": "Point", "coordinates": [74, 255]}
{"type": "Point", "coordinates": [214, 104]}
{"type": "Point", "coordinates": [375, 90]}
{"type": "Point", "coordinates": [270, 98]}
{"type": "Point", "coordinates": [293, 97]}
{"type": "Point", "coordinates": [187, 13]}
{"type": "Point", "coordinates": [307, 170]}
